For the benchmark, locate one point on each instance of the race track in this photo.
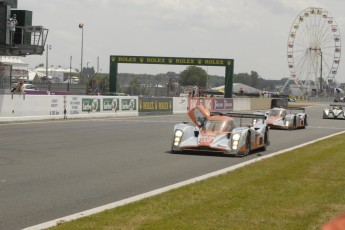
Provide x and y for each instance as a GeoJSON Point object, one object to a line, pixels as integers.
{"type": "Point", "coordinates": [54, 169]}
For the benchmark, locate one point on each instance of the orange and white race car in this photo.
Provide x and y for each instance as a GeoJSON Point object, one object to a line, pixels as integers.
{"type": "Point", "coordinates": [280, 118]}
{"type": "Point", "coordinates": [217, 132]}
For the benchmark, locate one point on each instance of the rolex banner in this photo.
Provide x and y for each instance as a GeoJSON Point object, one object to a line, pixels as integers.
{"type": "Point", "coordinates": [149, 106]}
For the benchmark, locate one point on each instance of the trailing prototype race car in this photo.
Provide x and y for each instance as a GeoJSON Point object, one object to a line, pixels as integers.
{"type": "Point", "coordinates": [218, 133]}
{"type": "Point", "coordinates": [280, 118]}
{"type": "Point", "coordinates": [335, 111]}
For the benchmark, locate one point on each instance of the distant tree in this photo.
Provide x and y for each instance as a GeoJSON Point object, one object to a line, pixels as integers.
{"type": "Point", "coordinates": [89, 71]}
{"type": "Point", "coordinates": [136, 88]}
{"type": "Point", "coordinates": [40, 65]}
{"type": "Point", "coordinates": [102, 81]}
{"type": "Point", "coordinates": [215, 81]}
{"type": "Point", "coordinates": [243, 78]}
{"type": "Point", "coordinates": [255, 79]}
{"type": "Point", "coordinates": [193, 75]}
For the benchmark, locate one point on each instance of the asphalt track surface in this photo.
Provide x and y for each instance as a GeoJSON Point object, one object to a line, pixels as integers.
{"type": "Point", "coordinates": [54, 169]}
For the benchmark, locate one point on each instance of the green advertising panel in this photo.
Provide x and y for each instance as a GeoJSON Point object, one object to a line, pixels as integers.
{"type": "Point", "coordinates": [227, 63]}
{"type": "Point", "coordinates": [110, 104]}
{"type": "Point", "coordinates": [155, 105]}
{"type": "Point", "coordinates": [91, 105]}
{"type": "Point", "coordinates": [128, 104]}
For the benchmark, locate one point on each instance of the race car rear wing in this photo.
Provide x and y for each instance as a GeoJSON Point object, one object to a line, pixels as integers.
{"type": "Point", "coordinates": [257, 117]}
{"type": "Point", "coordinates": [296, 108]}
{"type": "Point", "coordinates": [342, 105]}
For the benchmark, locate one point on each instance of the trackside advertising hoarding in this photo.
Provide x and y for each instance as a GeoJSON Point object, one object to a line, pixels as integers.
{"type": "Point", "coordinates": [224, 104]}
{"type": "Point", "coordinates": [217, 104]}
{"type": "Point", "coordinates": [194, 101]}
{"type": "Point", "coordinates": [149, 106]}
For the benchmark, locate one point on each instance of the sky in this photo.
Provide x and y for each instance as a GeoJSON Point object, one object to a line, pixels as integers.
{"type": "Point", "coordinates": [252, 32]}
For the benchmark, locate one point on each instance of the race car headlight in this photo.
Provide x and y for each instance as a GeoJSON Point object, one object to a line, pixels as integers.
{"type": "Point", "coordinates": [235, 140]}
{"type": "Point", "coordinates": [236, 136]}
{"type": "Point", "coordinates": [177, 137]}
{"type": "Point", "coordinates": [234, 145]}
{"type": "Point", "coordinates": [178, 133]}
{"type": "Point", "coordinates": [287, 123]}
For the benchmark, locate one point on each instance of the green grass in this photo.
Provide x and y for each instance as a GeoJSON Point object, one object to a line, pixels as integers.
{"type": "Point", "coordinates": [301, 189]}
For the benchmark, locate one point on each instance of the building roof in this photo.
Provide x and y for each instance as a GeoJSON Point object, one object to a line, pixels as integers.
{"type": "Point", "coordinates": [55, 69]}
{"type": "Point", "coordinates": [237, 86]}
{"type": "Point", "coordinates": [15, 61]}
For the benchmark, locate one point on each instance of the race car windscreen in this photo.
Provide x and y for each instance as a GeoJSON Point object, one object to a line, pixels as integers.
{"type": "Point", "coordinates": [277, 113]}
{"type": "Point", "coordinates": [219, 126]}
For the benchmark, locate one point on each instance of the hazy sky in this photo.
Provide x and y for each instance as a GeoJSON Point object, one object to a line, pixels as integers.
{"type": "Point", "coordinates": [252, 32]}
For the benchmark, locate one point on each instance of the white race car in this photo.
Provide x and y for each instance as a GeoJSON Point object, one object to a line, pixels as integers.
{"type": "Point", "coordinates": [216, 132]}
{"type": "Point", "coordinates": [280, 118]}
{"type": "Point", "coordinates": [335, 111]}
{"type": "Point", "coordinates": [339, 99]}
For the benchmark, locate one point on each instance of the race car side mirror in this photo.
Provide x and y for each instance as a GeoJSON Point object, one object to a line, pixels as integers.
{"type": "Point", "coordinates": [196, 133]}
{"type": "Point", "coordinates": [228, 135]}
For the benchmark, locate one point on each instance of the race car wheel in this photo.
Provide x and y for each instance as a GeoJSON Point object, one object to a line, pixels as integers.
{"type": "Point", "coordinates": [265, 141]}
{"type": "Point", "coordinates": [247, 145]}
{"type": "Point", "coordinates": [173, 152]}
{"type": "Point", "coordinates": [305, 122]}
{"type": "Point", "coordinates": [294, 123]}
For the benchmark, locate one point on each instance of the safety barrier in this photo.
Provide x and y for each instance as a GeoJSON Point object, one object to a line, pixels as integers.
{"type": "Point", "coordinates": [21, 107]}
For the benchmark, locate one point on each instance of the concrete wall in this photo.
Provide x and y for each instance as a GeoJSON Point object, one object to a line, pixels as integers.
{"type": "Point", "coordinates": [180, 105]}
{"type": "Point", "coordinates": [40, 107]}
{"type": "Point", "coordinates": [241, 104]}
{"type": "Point", "coordinates": [20, 107]}
{"type": "Point", "coordinates": [260, 103]}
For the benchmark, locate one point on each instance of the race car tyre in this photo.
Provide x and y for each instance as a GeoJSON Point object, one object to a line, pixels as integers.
{"type": "Point", "coordinates": [294, 123]}
{"type": "Point", "coordinates": [247, 145]}
{"type": "Point", "coordinates": [265, 141]}
{"type": "Point", "coordinates": [305, 123]}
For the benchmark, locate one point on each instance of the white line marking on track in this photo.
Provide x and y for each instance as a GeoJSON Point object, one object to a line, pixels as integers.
{"type": "Point", "coordinates": [96, 210]}
{"type": "Point", "coordinates": [320, 127]}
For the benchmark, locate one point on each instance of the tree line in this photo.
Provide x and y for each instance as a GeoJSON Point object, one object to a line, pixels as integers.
{"type": "Point", "coordinates": [192, 76]}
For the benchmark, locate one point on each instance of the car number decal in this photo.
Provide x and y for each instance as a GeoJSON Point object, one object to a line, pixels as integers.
{"type": "Point", "coordinates": [206, 140]}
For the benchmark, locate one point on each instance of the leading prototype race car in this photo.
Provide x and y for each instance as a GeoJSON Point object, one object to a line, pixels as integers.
{"type": "Point", "coordinates": [280, 118]}
{"type": "Point", "coordinates": [218, 133]}
{"type": "Point", "coordinates": [335, 111]}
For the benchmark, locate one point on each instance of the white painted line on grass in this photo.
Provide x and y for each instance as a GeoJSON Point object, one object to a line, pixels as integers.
{"type": "Point", "coordinates": [93, 211]}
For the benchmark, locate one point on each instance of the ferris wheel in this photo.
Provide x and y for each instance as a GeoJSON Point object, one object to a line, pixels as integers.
{"type": "Point", "coordinates": [313, 49]}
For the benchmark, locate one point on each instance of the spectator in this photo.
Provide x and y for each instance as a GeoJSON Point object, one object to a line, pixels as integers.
{"type": "Point", "coordinates": [19, 87]}
{"type": "Point", "coordinates": [64, 113]}
{"type": "Point", "coordinates": [241, 91]}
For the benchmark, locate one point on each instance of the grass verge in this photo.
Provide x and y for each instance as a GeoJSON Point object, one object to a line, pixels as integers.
{"type": "Point", "coordinates": [301, 189]}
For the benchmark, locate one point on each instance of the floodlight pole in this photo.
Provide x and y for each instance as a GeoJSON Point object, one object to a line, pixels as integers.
{"type": "Point", "coordinates": [321, 73]}
{"type": "Point", "coordinates": [81, 26]}
{"type": "Point", "coordinates": [49, 47]}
